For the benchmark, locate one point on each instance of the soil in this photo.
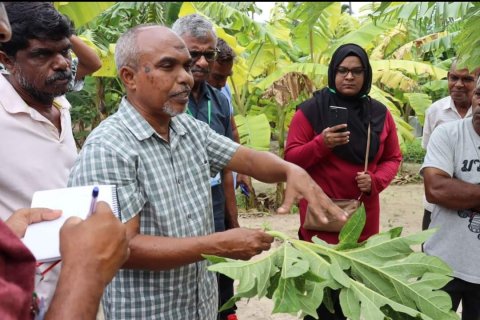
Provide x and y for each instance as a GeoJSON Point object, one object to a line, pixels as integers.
{"type": "Point", "coordinates": [401, 205]}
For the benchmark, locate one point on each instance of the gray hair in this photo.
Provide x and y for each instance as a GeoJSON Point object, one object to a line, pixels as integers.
{"type": "Point", "coordinates": [126, 49]}
{"type": "Point", "coordinates": [194, 25]}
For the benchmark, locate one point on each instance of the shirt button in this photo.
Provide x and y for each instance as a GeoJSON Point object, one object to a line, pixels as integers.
{"type": "Point", "coordinates": [178, 181]}
{"type": "Point", "coordinates": [189, 216]}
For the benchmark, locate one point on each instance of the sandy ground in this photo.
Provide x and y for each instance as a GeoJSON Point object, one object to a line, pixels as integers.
{"type": "Point", "coordinates": [401, 205]}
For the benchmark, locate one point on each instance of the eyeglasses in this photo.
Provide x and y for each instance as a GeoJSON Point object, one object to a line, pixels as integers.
{"type": "Point", "coordinates": [476, 93]}
{"type": "Point", "coordinates": [209, 55]}
{"type": "Point", "coordinates": [355, 71]}
{"type": "Point", "coordinates": [465, 80]}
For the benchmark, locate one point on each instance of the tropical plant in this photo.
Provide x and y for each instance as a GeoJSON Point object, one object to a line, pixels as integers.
{"type": "Point", "coordinates": [381, 278]}
{"type": "Point", "coordinates": [459, 18]}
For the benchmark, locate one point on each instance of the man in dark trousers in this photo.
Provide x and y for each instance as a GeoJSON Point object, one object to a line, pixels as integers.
{"type": "Point", "coordinates": [209, 105]}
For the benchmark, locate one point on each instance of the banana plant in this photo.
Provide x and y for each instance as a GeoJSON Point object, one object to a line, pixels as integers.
{"type": "Point", "coordinates": [438, 16]}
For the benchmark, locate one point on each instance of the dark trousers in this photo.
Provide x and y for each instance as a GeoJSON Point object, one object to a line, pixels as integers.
{"type": "Point", "coordinates": [225, 284]}
{"type": "Point", "coordinates": [225, 292]}
{"type": "Point", "coordinates": [427, 218]}
{"type": "Point", "coordinates": [469, 294]}
{"type": "Point", "coordinates": [322, 311]}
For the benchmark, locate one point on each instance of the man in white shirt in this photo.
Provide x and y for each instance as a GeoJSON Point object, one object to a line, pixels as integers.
{"type": "Point", "coordinates": [461, 83]}
{"type": "Point", "coordinates": [38, 149]}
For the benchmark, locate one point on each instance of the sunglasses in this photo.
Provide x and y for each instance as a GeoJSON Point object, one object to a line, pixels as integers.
{"type": "Point", "coordinates": [208, 55]}
{"type": "Point", "coordinates": [355, 71]}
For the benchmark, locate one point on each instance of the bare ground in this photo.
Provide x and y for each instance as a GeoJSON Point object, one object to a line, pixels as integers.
{"type": "Point", "coordinates": [401, 205]}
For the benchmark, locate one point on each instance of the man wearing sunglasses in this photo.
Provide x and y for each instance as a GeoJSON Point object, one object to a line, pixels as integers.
{"type": "Point", "coordinates": [456, 106]}
{"type": "Point", "coordinates": [209, 105]}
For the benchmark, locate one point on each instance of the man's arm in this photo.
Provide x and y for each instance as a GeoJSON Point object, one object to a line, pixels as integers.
{"type": "Point", "coordinates": [88, 60]}
{"type": "Point", "coordinates": [427, 127]}
{"type": "Point", "coordinates": [269, 168]}
{"type": "Point", "coordinates": [231, 212]}
{"type": "Point", "coordinates": [92, 252]}
{"type": "Point", "coordinates": [162, 253]}
{"type": "Point", "coordinates": [448, 192]}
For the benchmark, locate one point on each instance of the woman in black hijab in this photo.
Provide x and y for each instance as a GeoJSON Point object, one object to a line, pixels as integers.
{"type": "Point", "coordinates": [334, 155]}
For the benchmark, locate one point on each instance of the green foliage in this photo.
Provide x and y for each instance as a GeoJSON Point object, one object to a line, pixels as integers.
{"type": "Point", "coordinates": [101, 95]}
{"type": "Point", "coordinates": [82, 13]}
{"type": "Point", "coordinates": [254, 131]}
{"type": "Point", "coordinates": [377, 279]}
{"type": "Point", "coordinates": [414, 151]}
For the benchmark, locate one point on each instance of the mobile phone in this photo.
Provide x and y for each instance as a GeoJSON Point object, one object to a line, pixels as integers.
{"type": "Point", "coordinates": [337, 115]}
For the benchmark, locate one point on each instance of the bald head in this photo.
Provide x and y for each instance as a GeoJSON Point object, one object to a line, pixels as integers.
{"type": "Point", "coordinates": [128, 50]}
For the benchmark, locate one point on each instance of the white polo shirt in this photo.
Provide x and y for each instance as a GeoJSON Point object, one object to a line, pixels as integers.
{"type": "Point", "coordinates": [34, 156]}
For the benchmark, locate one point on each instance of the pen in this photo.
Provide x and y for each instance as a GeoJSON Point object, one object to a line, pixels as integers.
{"type": "Point", "coordinates": [93, 203]}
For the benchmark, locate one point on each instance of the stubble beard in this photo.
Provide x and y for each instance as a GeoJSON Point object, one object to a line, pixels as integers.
{"type": "Point", "coordinates": [170, 110]}
{"type": "Point", "coordinates": [29, 87]}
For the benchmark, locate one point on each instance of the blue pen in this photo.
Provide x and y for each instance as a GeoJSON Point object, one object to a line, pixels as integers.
{"type": "Point", "coordinates": [93, 203]}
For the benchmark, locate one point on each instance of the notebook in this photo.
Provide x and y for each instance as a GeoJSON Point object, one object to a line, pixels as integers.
{"type": "Point", "coordinates": [43, 238]}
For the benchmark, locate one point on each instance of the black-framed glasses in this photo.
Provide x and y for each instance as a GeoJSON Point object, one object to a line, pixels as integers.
{"type": "Point", "coordinates": [354, 71]}
{"type": "Point", "coordinates": [466, 79]}
{"type": "Point", "coordinates": [210, 55]}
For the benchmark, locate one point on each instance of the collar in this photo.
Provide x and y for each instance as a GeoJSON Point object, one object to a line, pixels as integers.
{"type": "Point", "coordinates": [452, 106]}
{"type": "Point", "coordinates": [13, 103]}
{"type": "Point", "coordinates": [139, 127]}
{"type": "Point", "coordinates": [205, 91]}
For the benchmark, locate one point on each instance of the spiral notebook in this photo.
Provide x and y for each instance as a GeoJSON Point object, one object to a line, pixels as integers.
{"type": "Point", "coordinates": [43, 238]}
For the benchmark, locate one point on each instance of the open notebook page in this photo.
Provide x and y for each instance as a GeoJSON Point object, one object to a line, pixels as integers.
{"type": "Point", "coordinates": [43, 238]}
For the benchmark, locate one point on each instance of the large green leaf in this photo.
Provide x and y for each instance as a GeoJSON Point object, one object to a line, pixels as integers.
{"type": "Point", "coordinates": [82, 12]}
{"type": "Point", "coordinates": [380, 278]}
{"type": "Point", "coordinates": [468, 42]}
{"type": "Point", "coordinates": [254, 131]}
{"type": "Point", "coordinates": [419, 102]}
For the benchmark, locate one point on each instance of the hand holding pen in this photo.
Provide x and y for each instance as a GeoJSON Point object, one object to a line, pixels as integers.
{"type": "Point", "coordinates": [93, 202]}
{"type": "Point", "coordinates": [91, 210]}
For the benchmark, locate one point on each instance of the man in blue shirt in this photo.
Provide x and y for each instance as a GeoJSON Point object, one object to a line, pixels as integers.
{"type": "Point", "coordinates": [221, 70]}
{"type": "Point", "coordinates": [209, 105]}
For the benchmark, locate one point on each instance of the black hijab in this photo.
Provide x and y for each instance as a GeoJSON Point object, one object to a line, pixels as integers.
{"type": "Point", "coordinates": [362, 110]}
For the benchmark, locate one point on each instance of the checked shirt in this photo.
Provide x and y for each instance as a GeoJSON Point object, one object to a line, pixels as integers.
{"type": "Point", "coordinates": [167, 184]}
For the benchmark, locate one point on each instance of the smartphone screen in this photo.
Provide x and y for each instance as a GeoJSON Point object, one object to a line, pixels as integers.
{"type": "Point", "coordinates": [337, 115]}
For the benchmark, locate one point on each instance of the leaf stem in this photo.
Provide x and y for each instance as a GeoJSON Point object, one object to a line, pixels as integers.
{"type": "Point", "coordinates": [278, 234]}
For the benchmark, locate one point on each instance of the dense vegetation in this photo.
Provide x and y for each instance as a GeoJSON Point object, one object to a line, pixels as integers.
{"type": "Point", "coordinates": [282, 61]}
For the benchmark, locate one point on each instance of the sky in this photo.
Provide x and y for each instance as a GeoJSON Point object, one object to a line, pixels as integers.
{"type": "Point", "coordinates": [267, 6]}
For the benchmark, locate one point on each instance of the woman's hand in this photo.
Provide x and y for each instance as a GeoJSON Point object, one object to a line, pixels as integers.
{"type": "Point", "coordinates": [364, 182]}
{"type": "Point", "coordinates": [332, 137]}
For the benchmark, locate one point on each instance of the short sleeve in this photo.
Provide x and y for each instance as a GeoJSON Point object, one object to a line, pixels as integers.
{"type": "Point", "coordinates": [440, 151]}
{"type": "Point", "coordinates": [74, 84]}
{"type": "Point", "coordinates": [99, 164]}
